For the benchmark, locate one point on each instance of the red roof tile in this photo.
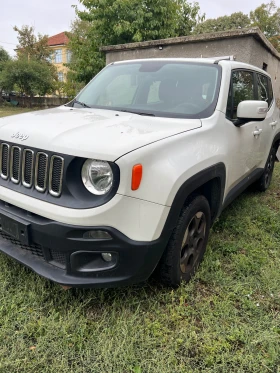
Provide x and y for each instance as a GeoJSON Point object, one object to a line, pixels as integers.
{"type": "Point", "coordinates": [58, 39]}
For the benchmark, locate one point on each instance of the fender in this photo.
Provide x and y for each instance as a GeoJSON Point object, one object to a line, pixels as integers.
{"type": "Point", "coordinates": [218, 172]}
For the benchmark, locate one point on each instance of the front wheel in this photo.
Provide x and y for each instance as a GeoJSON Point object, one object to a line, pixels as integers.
{"type": "Point", "coordinates": [264, 181]}
{"type": "Point", "coordinates": [187, 245]}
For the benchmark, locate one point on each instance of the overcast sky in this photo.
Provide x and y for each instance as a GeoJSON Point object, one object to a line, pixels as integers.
{"type": "Point", "coordinates": [54, 16]}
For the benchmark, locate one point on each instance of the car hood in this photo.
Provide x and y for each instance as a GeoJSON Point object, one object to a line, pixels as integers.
{"type": "Point", "coordinates": [90, 133]}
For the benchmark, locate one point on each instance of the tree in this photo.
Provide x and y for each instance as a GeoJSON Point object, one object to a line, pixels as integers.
{"type": "Point", "coordinates": [70, 88]}
{"type": "Point", "coordinates": [32, 46]}
{"type": "Point", "coordinates": [109, 22]}
{"type": "Point", "coordinates": [124, 21]}
{"type": "Point", "coordinates": [86, 60]}
{"type": "Point", "coordinates": [267, 18]}
{"type": "Point", "coordinates": [4, 58]}
{"type": "Point", "coordinates": [234, 21]}
{"type": "Point", "coordinates": [28, 76]}
{"type": "Point", "coordinates": [188, 17]}
{"type": "Point", "coordinates": [4, 55]}
{"type": "Point", "coordinates": [31, 73]}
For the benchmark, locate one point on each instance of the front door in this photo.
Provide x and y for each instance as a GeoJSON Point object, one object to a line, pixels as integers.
{"type": "Point", "coordinates": [244, 141]}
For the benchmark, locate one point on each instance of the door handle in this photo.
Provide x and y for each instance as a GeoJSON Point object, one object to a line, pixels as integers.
{"type": "Point", "coordinates": [257, 132]}
{"type": "Point", "coordinates": [273, 124]}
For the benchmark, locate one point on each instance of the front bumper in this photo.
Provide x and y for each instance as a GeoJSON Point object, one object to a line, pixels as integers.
{"type": "Point", "coordinates": [60, 253]}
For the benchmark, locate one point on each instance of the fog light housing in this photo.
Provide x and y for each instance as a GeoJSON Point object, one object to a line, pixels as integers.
{"type": "Point", "coordinates": [107, 257]}
{"type": "Point", "coordinates": [92, 262]}
{"type": "Point", "coordinates": [97, 235]}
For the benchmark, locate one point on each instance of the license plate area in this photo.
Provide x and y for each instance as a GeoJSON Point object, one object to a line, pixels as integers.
{"type": "Point", "coordinates": [16, 228]}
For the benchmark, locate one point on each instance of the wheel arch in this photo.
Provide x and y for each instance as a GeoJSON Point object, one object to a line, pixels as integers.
{"type": "Point", "coordinates": [209, 182]}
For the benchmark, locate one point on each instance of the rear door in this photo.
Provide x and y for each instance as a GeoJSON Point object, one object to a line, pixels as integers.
{"type": "Point", "coordinates": [243, 142]}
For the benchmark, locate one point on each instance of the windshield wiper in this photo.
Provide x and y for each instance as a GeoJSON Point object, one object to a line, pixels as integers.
{"type": "Point", "coordinates": [80, 103]}
{"type": "Point", "coordinates": [137, 113]}
{"type": "Point", "coordinates": [147, 114]}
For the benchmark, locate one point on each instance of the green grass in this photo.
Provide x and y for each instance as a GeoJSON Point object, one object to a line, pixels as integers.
{"type": "Point", "coordinates": [8, 110]}
{"type": "Point", "coordinates": [226, 320]}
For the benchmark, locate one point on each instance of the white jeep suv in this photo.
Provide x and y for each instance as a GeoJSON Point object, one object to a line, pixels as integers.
{"type": "Point", "coordinates": [131, 174]}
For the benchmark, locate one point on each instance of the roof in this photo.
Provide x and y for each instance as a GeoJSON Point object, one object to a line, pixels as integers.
{"type": "Point", "coordinates": [208, 60]}
{"type": "Point", "coordinates": [221, 35]}
{"type": "Point", "coordinates": [167, 59]}
{"type": "Point", "coordinates": [59, 39]}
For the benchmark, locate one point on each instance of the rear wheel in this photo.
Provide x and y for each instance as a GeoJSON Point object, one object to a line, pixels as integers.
{"type": "Point", "coordinates": [264, 181]}
{"type": "Point", "coordinates": [187, 245]}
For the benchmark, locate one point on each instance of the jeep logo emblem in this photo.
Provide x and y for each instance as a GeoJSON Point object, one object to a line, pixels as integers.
{"type": "Point", "coordinates": [20, 136]}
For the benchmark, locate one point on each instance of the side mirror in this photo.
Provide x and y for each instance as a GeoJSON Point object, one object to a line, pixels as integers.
{"type": "Point", "coordinates": [248, 111]}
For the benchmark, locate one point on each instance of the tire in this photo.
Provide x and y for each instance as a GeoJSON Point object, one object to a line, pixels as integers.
{"type": "Point", "coordinates": [264, 181]}
{"type": "Point", "coordinates": [187, 244]}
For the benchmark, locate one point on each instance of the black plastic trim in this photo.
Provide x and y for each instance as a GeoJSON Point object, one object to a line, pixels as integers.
{"type": "Point", "coordinates": [217, 171]}
{"type": "Point", "coordinates": [74, 194]}
{"type": "Point", "coordinates": [242, 185]}
{"type": "Point", "coordinates": [276, 138]}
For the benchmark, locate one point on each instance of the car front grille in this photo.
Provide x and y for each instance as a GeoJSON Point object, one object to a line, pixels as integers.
{"type": "Point", "coordinates": [32, 169]}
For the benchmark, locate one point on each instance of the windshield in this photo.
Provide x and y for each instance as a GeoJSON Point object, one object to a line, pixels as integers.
{"type": "Point", "coordinates": [157, 88]}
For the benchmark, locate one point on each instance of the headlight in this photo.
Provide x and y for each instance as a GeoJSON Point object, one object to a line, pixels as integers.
{"type": "Point", "coordinates": [97, 176]}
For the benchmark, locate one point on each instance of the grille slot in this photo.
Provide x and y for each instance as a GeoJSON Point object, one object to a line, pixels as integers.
{"type": "Point", "coordinates": [27, 167]}
{"type": "Point", "coordinates": [15, 164]}
{"type": "Point", "coordinates": [41, 169]}
{"type": "Point", "coordinates": [59, 258]}
{"type": "Point", "coordinates": [56, 174]}
{"type": "Point", "coordinates": [4, 162]}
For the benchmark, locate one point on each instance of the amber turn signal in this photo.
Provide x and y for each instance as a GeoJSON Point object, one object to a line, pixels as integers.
{"type": "Point", "coordinates": [137, 172]}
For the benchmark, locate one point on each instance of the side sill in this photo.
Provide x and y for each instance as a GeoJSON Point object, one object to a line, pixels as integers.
{"type": "Point", "coordinates": [241, 186]}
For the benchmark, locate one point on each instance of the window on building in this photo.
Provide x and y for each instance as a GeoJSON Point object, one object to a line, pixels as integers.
{"type": "Point", "coordinates": [50, 58]}
{"type": "Point", "coordinates": [69, 56]}
{"type": "Point", "coordinates": [60, 76]}
{"type": "Point", "coordinates": [58, 56]}
{"type": "Point", "coordinates": [242, 89]}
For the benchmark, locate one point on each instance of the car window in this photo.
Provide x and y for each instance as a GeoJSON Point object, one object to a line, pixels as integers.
{"type": "Point", "coordinates": [270, 91]}
{"type": "Point", "coordinates": [153, 95]}
{"type": "Point", "coordinates": [263, 91]}
{"type": "Point", "coordinates": [160, 88]}
{"type": "Point", "coordinates": [242, 89]}
{"type": "Point", "coordinates": [112, 93]}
